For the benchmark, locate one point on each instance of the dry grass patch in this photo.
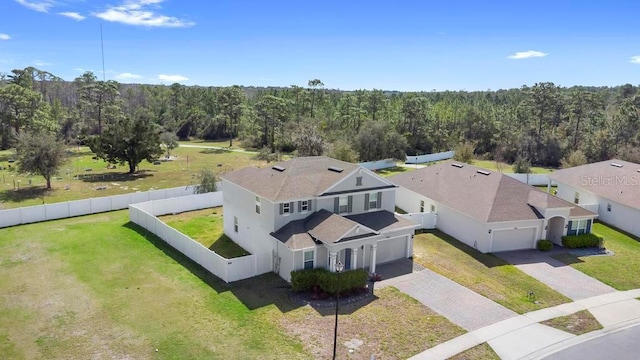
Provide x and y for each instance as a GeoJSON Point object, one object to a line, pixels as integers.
{"type": "Point", "coordinates": [394, 326]}
{"type": "Point", "coordinates": [482, 351]}
{"type": "Point", "coordinates": [485, 274]}
{"type": "Point", "coordinates": [577, 323]}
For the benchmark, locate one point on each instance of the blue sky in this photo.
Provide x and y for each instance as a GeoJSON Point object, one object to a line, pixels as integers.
{"type": "Point", "coordinates": [391, 45]}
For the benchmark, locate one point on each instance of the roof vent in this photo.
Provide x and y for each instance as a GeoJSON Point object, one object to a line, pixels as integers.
{"type": "Point", "coordinates": [278, 168]}
{"type": "Point", "coordinates": [336, 169]}
{"type": "Point", "coordinates": [457, 165]}
{"type": "Point", "coordinates": [483, 172]}
{"type": "Point", "coordinates": [616, 165]}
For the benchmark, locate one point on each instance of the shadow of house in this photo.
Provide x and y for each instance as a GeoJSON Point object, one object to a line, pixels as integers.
{"type": "Point", "coordinates": [113, 176]}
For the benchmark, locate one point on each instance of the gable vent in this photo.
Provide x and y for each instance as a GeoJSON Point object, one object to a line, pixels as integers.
{"type": "Point", "coordinates": [457, 165]}
{"type": "Point", "coordinates": [483, 172]}
{"type": "Point", "coordinates": [278, 168]}
{"type": "Point", "coordinates": [616, 165]}
{"type": "Point", "coordinates": [335, 169]}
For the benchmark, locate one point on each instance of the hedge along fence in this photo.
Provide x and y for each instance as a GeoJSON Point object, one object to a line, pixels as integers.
{"type": "Point", "coordinates": [582, 241]}
{"type": "Point", "coordinates": [305, 280]}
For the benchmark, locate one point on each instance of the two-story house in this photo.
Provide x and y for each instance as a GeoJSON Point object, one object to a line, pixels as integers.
{"type": "Point", "coordinates": [311, 212]}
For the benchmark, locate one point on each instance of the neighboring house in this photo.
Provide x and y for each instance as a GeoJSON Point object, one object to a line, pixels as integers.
{"type": "Point", "coordinates": [611, 188]}
{"type": "Point", "coordinates": [488, 210]}
{"type": "Point", "coordinates": [312, 212]}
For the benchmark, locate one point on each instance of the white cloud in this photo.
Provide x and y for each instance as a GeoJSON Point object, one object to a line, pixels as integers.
{"type": "Point", "coordinates": [137, 13]}
{"type": "Point", "coordinates": [527, 54]}
{"type": "Point", "coordinates": [41, 63]}
{"type": "Point", "coordinates": [73, 15]}
{"type": "Point", "coordinates": [172, 78]}
{"type": "Point", "coordinates": [4, 36]}
{"type": "Point", "coordinates": [635, 59]}
{"type": "Point", "coordinates": [38, 5]}
{"type": "Point", "coordinates": [127, 76]}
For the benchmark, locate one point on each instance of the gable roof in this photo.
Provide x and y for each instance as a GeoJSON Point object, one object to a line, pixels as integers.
{"type": "Point", "coordinates": [302, 177]}
{"type": "Point", "coordinates": [326, 227]}
{"type": "Point", "coordinates": [614, 179]}
{"type": "Point", "coordinates": [484, 195]}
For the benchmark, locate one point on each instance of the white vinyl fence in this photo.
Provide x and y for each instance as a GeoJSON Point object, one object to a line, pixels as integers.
{"type": "Point", "coordinates": [377, 165]}
{"type": "Point", "coordinates": [32, 214]}
{"type": "Point", "coordinates": [144, 214]}
{"type": "Point", "coordinates": [426, 220]}
{"type": "Point", "coordinates": [533, 179]}
{"type": "Point", "coordinates": [419, 159]}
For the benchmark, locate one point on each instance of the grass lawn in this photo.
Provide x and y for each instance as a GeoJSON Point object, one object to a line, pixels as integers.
{"type": "Point", "coordinates": [83, 175]}
{"type": "Point", "coordinates": [577, 323]}
{"type": "Point", "coordinates": [206, 227]}
{"type": "Point", "coordinates": [100, 287]}
{"type": "Point", "coordinates": [482, 351]}
{"type": "Point", "coordinates": [619, 271]}
{"type": "Point", "coordinates": [506, 168]}
{"type": "Point", "coordinates": [485, 274]}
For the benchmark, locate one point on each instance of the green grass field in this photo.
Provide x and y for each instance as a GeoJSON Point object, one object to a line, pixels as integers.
{"type": "Point", "coordinates": [83, 175]}
{"type": "Point", "coordinates": [485, 274]}
{"type": "Point", "coordinates": [100, 287]}
{"type": "Point", "coordinates": [620, 271]}
{"type": "Point", "coordinates": [206, 227]}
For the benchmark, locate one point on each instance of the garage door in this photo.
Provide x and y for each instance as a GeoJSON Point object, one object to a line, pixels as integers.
{"type": "Point", "coordinates": [513, 239]}
{"type": "Point", "coordinates": [391, 249]}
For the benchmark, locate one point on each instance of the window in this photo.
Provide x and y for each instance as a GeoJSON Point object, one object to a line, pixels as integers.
{"type": "Point", "coordinates": [433, 208]}
{"type": "Point", "coordinates": [359, 181]}
{"type": "Point", "coordinates": [308, 259]}
{"type": "Point", "coordinates": [579, 227]}
{"type": "Point", "coordinates": [576, 197]}
{"type": "Point", "coordinates": [257, 205]}
{"type": "Point", "coordinates": [373, 200]}
{"type": "Point", "coordinates": [286, 208]}
{"type": "Point", "coordinates": [304, 205]}
{"type": "Point", "coordinates": [343, 205]}
{"type": "Point", "coordinates": [609, 207]}
{"type": "Point", "coordinates": [421, 205]}
{"type": "Point", "coordinates": [235, 224]}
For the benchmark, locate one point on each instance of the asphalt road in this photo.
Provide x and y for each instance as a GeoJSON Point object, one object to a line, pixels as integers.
{"type": "Point", "coordinates": [620, 345]}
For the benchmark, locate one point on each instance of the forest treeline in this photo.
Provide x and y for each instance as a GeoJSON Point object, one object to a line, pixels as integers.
{"type": "Point", "coordinates": [542, 124]}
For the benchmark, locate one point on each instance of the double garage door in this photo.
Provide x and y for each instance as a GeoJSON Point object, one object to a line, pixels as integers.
{"type": "Point", "coordinates": [513, 239]}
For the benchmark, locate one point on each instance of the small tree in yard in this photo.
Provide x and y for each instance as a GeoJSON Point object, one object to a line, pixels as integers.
{"type": "Point", "coordinates": [464, 152]}
{"type": "Point", "coordinates": [522, 165]}
{"type": "Point", "coordinates": [41, 154]}
{"type": "Point", "coordinates": [208, 180]}
{"type": "Point", "coordinates": [169, 142]}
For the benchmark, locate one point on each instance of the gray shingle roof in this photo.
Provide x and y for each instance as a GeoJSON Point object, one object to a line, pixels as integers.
{"type": "Point", "coordinates": [619, 184]}
{"type": "Point", "coordinates": [331, 228]}
{"type": "Point", "coordinates": [489, 198]}
{"type": "Point", "coordinates": [302, 178]}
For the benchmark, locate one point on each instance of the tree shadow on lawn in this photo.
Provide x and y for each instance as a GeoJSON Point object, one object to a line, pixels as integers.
{"type": "Point", "coordinates": [25, 193]}
{"type": "Point", "coordinates": [113, 176]}
{"type": "Point", "coordinates": [214, 151]}
{"type": "Point", "coordinates": [4, 158]}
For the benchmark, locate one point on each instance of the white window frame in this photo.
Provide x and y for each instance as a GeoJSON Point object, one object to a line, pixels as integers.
{"type": "Point", "coordinates": [343, 208]}
{"type": "Point", "coordinates": [304, 205]}
{"type": "Point", "coordinates": [578, 225]}
{"type": "Point", "coordinates": [286, 208]}
{"type": "Point", "coordinates": [373, 204]}
{"type": "Point", "coordinates": [421, 206]}
{"type": "Point", "coordinates": [432, 208]}
{"type": "Point", "coordinates": [312, 260]}
{"type": "Point", "coordinates": [235, 224]}
{"type": "Point", "coordinates": [576, 198]}
{"type": "Point", "coordinates": [258, 205]}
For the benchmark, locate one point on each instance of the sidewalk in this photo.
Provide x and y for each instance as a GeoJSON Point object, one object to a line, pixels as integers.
{"type": "Point", "coordinates": [523, 337]}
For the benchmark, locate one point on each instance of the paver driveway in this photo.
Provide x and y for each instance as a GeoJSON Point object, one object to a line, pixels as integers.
{"type": "Point", "coordinates": [460, 305]}
{"type": "Point", "coordinates": [556, 274]}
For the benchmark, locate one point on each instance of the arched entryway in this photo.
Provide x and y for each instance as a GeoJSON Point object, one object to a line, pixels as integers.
{"type": "Point", "coordinates": [555, 229]}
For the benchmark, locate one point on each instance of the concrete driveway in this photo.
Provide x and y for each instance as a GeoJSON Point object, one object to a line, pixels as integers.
{"type": "Point", "coordinates": [555, 274]}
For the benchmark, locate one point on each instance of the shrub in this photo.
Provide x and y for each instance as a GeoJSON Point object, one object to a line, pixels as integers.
{"type": "Point", "coordinates": [581, 241]}
{"type": "Point", "coordinates": [305, 280]}
{"type": "Point", "coordinates": [545, 245]}
{"type": "Point", "coordinates": [521, 166]}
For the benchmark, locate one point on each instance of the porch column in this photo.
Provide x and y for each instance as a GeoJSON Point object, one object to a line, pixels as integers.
{"type": "Point", "coordinates": [374, 248]}
{"type": "Point", "coordinates": [409, 246]}
{"type": "Point", "coordinates": [354, 258]}
{"type": "Point", "coordinates": [332, 261]}
{"type": "Point", "coordinates": [548, 185]}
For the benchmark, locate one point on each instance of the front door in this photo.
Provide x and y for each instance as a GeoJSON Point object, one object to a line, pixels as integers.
{"type": "Point", "coordinates": [347, 259]}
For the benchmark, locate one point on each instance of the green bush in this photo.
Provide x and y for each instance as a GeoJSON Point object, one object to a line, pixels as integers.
{"type": "Point", "coordinates": [305, 280]}
{"type": "Point", "coordinates": [581, 241]}
{"type": "Point", "coordinates": [544, 245]}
